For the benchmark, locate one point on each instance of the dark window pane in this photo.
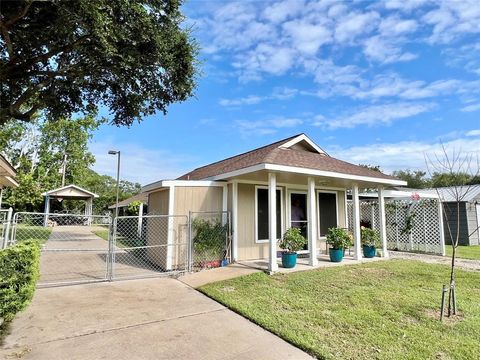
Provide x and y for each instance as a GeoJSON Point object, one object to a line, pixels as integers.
{"type": "Point", "coordinates": [327, 207]}
{"type": "Point", "coordinates": [262, 214]}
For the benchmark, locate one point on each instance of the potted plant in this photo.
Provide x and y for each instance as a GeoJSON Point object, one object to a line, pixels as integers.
{"type": "Point", "coordinates": [370, 241]}
{"type": "Point", "coordinates": [339, 239]}
{"type": "Point", "coordinates": [291, 242]}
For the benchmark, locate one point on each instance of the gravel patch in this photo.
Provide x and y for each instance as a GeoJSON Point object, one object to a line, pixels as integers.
{"type": "Point", "coordinates": [464, 264]}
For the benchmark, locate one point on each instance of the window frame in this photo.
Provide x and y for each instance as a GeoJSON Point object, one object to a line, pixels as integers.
{"type": "Point", "coordinates": [317, 198]}
{"type": "Point", "coordinates": [263, 241]}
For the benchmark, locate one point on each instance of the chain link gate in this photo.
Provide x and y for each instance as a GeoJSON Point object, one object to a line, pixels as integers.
{"type": "Point", "coordinates": [151, 245]}
{"type": "Point", "coordinates": [75, 248]}
{"type": "Point", "coordinates": [210, 239]}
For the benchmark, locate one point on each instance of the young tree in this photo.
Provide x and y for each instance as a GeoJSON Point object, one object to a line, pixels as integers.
{"type": "Point", "coordinates": [459, 168]}
{"type": "Point", "coordinates": [64, 57]}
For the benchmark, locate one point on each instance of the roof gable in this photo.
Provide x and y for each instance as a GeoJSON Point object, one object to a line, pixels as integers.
{"type": "Point", "coordinates": [297, 151]}
{"type": "Point", "coordinates": [73, 191]}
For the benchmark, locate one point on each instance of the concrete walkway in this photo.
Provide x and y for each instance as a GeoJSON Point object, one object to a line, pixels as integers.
{"type": "Point", "coordinates": [158, 318]}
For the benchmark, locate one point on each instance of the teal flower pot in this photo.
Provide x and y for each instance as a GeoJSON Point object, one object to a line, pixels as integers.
{"type": "Point", "coordinates": [369, 251]}
{"type": "Point", "coordinates": [289, 259]}
{"type": "Point", "coordinates": [336, 255]}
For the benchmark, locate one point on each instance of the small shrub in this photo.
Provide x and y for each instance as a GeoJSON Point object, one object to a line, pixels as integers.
{"type": "Point", "coordinates": [369, 237]}
{"type": "Point", "coordinates": [19, 271]}
{"type": "Point", "coordinates": [209, 241]}
{"type": "Point", "coordinates": [292, 240]}
{"type": "Point", "coordinates": [339, 238]}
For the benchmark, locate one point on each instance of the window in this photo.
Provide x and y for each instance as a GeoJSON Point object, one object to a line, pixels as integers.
{"type": "Point", "coordinates": [327, 210]}
{"type": "Point", "coordinates": [262, 214]}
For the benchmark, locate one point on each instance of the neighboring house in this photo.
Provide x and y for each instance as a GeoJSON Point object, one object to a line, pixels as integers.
{"type": "Point", "coordinates": [468, 215]}
{"type": "Point", "coordinates": [123, 205]}
{"type": "Point", "coordinates": [260, 188]}
{"type": "Point", "coordinates": [7, 176]}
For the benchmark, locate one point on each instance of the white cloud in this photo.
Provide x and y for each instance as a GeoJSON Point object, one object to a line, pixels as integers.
{"type": "Point", "coordinates": [401, 155]}
{"type": "Point", "coordinates": [355, 24]}
{"type": "Point", "coordinates": [266, 127]}
{"type": "Point", "coordinates": [138, 164]}
{"type": "Point", "coordinates": [280, 11]}
{"type": "Point", "coordinates": [471, 108]}
{"type": "Point", "coordinates": [307, 37]}
{"type": "Point", "coordinates": [453, 19]}
{"type": "Point", "coordinates": [279, 93]}
{"type": "Point", "coordinates": [375, 115]}
{"type": "Point", "coordinates": [475, 132]}
{"type": "Point", "coordinates": [381, 50]}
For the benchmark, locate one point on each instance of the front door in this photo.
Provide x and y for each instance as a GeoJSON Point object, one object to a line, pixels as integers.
{"type": "Point", "coordinates": [298, 213]}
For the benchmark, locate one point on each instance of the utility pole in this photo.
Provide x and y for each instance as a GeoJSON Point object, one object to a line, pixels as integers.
{"type": "Point", "coordinates": [64, 169]}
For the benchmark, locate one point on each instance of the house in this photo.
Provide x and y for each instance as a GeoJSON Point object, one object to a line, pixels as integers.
{"type": "Point", "coordinates": [467, 214]}
{"type": "Point", "coordinates": [7, 176]}
{"type": "Point", "coordinates": [264, 189]}
{"type": "Point", "coordinates": [141, 199]}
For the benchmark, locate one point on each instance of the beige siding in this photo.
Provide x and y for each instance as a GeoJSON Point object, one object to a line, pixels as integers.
{"type": "Point", "coordinates": [198, 198]}
{"type": "Point", "coordinates": [157, 227]}
{"type": "Point", "coordinates": [158, 202]}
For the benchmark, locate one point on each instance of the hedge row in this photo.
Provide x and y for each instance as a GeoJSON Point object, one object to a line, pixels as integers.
{"type": "Point", "coordinates": [19, 271]}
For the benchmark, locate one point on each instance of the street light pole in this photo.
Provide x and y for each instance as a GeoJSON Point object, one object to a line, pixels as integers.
{"type": "Point", "coordinates": [113, 152]}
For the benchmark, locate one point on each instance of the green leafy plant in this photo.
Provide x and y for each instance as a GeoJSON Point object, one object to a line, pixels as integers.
{"type": "Point", "coordinates": [369, 237]}
{"type": "Point", "coordinates": [292, 240]}
{"type": "Point", "coordinates": [339, 238]}
{"type": "Point", "coordinates": [19, 271]}
{"type": "Point", "coordinates": [209, 241]}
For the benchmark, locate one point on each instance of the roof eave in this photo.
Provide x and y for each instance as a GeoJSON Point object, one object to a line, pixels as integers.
{"type": "Point", "coordinates": [308, 171]}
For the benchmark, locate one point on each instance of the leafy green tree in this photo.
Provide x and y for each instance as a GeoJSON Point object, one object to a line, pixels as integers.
{"type": "Point", "coordinates": [37, 151]}
{"type": "Point", "coordinates": [415, 179]}
{"type": "Point", "coordinates": [64, 57]}
{"type": "Point", "coordinates": [442, 179]}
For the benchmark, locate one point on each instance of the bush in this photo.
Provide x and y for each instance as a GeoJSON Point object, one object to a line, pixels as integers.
{"type": "Point", "coordinates": [339, 238]}
{"type": "Point", "coordinates": [292, 240]}
{"type": "Point", "coordinates": [369, 237]}
{"type": "Point", "coordinates": [209, 241]}
{"type": "Point", "coordinates": [19, 271]}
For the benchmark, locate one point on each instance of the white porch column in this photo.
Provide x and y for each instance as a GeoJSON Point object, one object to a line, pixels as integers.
{"type": "Point", "coordinates": [312, 222]}
{"type": "Point", "coordinates": [441, 228]}
{"type": "Point", "coordinates": [383, 221]}
{"type": "Point", "coordinates": [356, 223]}
{"type": "Point", "coordinates": [46, 210]}
{"type": "Point", "coordinates": [272, 222]}
{"type": "Point", "coordinates": [235, 221]}
{"type": "Point", "coordinates": [140, 220]}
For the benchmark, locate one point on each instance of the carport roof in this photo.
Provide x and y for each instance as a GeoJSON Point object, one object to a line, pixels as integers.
{"type": "Point", "coordinates": [70, 191]}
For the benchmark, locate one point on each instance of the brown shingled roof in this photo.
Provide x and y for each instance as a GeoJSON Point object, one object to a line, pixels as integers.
{"type": "Point", "coordinates": [275, 154]}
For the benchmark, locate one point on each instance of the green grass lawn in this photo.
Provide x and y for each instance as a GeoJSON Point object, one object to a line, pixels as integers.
{"type": "Point", "coordinates": [380, 310]}
{"type": "Point", "coordinates": [27, 232]}
{"type": "Point", "coordinates": [102, 233]}
{"type": "Point", "coordinates": [465, 252]}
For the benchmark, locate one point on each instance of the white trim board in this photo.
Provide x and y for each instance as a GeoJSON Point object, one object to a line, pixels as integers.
{"type": "Point", "coordinates": [179, 183]}
{"type": "Point", "coordinates": [306, 171]}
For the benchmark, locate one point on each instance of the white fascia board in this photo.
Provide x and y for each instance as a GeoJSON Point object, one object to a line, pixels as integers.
{"type": "Point", "coordinates": [332, 174]}
{"type": "Point", "coordinates": [179, 183]}
{"type": "Point", "coordinates": [303, 137]}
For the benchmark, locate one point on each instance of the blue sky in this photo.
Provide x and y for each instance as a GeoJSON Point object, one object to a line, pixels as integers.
{"type": "Point", "coordinates": [376, 83]}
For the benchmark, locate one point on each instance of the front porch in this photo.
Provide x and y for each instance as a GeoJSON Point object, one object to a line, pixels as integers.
{"type": "Point", "coordinates": [304, 264]}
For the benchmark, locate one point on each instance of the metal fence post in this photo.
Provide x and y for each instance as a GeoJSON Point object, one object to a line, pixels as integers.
{"type": "Point", "coordinates": [189, 244]}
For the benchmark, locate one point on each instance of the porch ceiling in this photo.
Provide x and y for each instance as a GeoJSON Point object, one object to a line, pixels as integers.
{"type": "Point", "coordinates": [301, 179]}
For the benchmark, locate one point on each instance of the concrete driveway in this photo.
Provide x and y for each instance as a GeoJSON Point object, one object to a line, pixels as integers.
{"type": "Point", "coordinates": [159, 318]}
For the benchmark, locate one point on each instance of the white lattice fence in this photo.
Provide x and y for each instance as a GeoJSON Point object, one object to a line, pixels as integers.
{"type": "Point", "coordinates": [410, 225]}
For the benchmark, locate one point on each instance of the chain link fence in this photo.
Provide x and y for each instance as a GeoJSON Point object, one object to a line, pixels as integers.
{"type": "Point", "coordinates": [210, 234]}
{"type": "Point", "coordinates": [150, 245]}
{"type": "Point", "coordinates": [88, 248]}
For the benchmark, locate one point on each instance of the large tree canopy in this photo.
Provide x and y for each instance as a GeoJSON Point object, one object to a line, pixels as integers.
{"type": "Point", "coordinates": [65, 57]}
